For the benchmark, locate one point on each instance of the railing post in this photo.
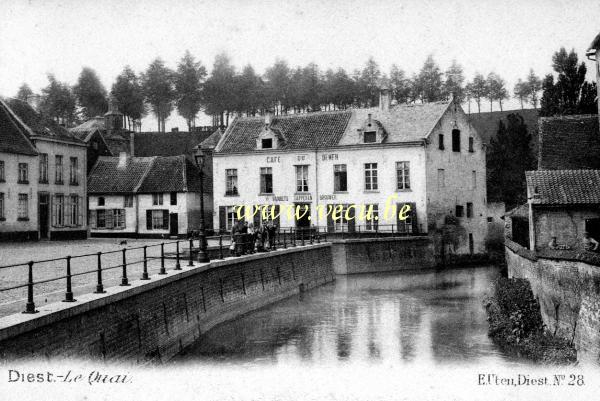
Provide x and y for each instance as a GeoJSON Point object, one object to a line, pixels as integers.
{"type": "Point", "coordinates": [221, 246]}
{"type": "Point", "coordinates": [392, 230]}
{"type": "Point", "coordinates": [145, 272]}
{"type": "Point", "coordinates": [284, 240]}
{"type": "Point", "coordinates": [177, 265]}
{"type": "Point", "coordinates": [162, 259]}
{"type": "Point", "coordinates": [275, 241]}
{"type": "Point", "coordinates": [310, 236]}
{"type": "Point", "coordinates": [30, 306]}
{"type": "Point", "coordinates": [99, 286]}
{"type": "Point", "coordinates": [293, 237]}
{"type": "Point", "coordinates": [191, 262]}
{"type": "Point", "coordinates": [302, 236]}
{"type": "Point", "coordinates": [376, 231]}
{"type": "Point", "coordinates": [69, 292]}
{"type": "Point", "coordinates": [124, 280]}
{"type": "Point", "coordinates": [318, 235]}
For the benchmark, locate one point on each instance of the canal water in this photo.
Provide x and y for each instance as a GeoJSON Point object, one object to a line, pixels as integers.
{"type": "Point", "coordinates": [388, 318]}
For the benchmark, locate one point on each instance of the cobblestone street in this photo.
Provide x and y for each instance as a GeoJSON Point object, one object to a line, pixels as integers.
{"type": "Point", "coordinates": [13, 301]}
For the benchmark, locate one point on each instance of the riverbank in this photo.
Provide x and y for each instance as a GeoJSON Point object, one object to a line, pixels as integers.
{"type": "Point", "coordinates": [516, 325]}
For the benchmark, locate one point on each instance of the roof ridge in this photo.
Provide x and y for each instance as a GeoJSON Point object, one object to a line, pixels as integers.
{"type": "Point", "coordinates": [143, 177]}
{"type": "Point", "coordinates": [14, 119]}
{"type": "Point", "coordinates": [185, 188]}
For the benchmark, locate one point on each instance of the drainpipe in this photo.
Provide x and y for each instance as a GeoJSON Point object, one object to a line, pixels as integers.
{"type": "Point", "coordinates": [316, 184]}
{"type": "Point", "coordinates": [137, 214]}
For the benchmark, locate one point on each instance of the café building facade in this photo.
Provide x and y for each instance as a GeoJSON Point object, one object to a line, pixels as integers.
{"type": "Point", "coordinates": [426, 156]}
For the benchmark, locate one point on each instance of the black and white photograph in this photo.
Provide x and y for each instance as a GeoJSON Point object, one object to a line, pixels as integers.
{"type": "Point", "coordinates": [299, 200]}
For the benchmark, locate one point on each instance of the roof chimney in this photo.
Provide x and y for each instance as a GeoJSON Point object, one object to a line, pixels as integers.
{"type": "Point", "coordinates": [384, 98]}
{"type": "Point", "coordinates": [122, 160]}
{"type": "Point", "coordinates": [268, 118]}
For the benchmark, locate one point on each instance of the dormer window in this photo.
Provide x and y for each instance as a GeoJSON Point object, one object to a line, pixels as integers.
{"type": "Point", "coordinates": [370, 137]}
{"type": "Point", "coordinates": [267, 143]}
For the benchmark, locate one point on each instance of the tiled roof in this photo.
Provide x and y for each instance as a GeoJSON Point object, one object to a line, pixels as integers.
{"type": "Point", "coordinates": [145, 175]}
{"type": "Point", "coordinates": [569, 143]}
{"type": "Point", "coordinates": [212, 141]}
{"type": "Point", "coordinates": [403, 123]}
{"type": "Point", "coordinates": [167, 143]}
{"type": "Point", "coordinates": [41, 126]}
{"type": "Point", "coordinates": [13, 133]}
{"type": "Point", "coordinates": [171, 174]}
{"type": "Point", "coordinates": [519, 211]}
{"type": "Point", "coordinates": [108, 177]}
{"type": "Point", "coordinates": [563, 187]}
{"type": "Point", "coordinates": [91, 125]}
{"type": "Point", "coordinates": [300, 131]}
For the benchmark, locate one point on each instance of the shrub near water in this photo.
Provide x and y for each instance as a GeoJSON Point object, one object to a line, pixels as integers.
{"type": "Point", "coordinates": [516, 324]}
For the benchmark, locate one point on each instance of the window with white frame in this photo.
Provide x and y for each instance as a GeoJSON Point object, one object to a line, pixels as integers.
{"type": "Point", "coordinates": [119, 218]}
{"type": "Point", "coordinates": [340, 178]}
{"type": "Point", "coordinates": [73, 171]}
{"type": "Point", "coordinates": [403, 175]}
{"type": "Point", "coordinates": [43, 167]}
{"type": "Point", "coordinates": [158, 220]}
{"type": "Point", "coordinates": [74, 208]}
{"type": "Point", "coordinates": [371, 176]}
{"type": "Point", "coordinates": [101, 218]}
{"type": "Point", "coordinates": [128, 201]}
{"type": "Point", "coordinates": [23, 207]}
{"type": "Point", "coordinates": [231, 217]}
{"type": "Point", "coordinates": [157, 199]}
{"type": "Point", "coordinates": [2, 205]}
{"type": "Point", "coordinates": [473, 179]}
{"type": "Point", "coordinates": [231, 184]}
{"type": "Point", "coordinates": [339, 220]}
{"type": "Point", "coordinates": [302, 178]}
{"type": "Point", "coordinates": [266, 180]}
{"type": "Point", "coordinates": [372, 218]}
{"type": "Point", "coordinates": [59, 210]}
{"type": "Point", "coordinates": [23, 173]}
{"type": "Point", "coordinates": [58, 166]}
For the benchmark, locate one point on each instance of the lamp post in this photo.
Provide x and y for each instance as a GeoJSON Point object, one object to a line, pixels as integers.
{"type": "Point", "coordinates": [202, 254]}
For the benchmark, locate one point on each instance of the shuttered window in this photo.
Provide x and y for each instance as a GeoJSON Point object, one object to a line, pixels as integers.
{"type": "Point", "coordinates": [157, 219]}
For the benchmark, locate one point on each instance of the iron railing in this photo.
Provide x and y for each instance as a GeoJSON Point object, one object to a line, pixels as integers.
{"type": "Point", "coordinates": [231, 245]}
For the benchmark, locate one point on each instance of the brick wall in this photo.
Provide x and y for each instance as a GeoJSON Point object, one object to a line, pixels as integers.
{"type": "Point", "coordinates": [154, 320]}
{"type": "Point", "coordinates": [569, 295]}
{"type": "Point", "coordinates": [382, 254]}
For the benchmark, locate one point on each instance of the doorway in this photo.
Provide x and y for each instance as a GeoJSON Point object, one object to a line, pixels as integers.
{"type": "Point", "coordinates": [303, 220]}
{"type": "Point", "coordinates": [44, 214]}
{"type": "Point", "coordinates": [173, 224]}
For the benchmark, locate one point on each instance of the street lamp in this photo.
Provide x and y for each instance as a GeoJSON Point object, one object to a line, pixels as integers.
{"type": "Point", "coordinates": [202, 254]}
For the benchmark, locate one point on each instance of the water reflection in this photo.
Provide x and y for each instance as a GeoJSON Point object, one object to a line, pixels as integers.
{"type": "Point", "coordinates": [381, 318]}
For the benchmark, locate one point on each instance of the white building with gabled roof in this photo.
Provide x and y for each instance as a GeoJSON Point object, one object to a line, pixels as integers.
{"type": "Point", "coordinates": [426, 156]}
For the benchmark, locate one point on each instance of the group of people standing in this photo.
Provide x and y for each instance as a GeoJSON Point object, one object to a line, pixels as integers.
{"type": "Point", "coordinates": [248, 237]}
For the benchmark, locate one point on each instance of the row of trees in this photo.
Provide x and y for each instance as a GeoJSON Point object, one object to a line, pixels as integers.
{"type": "Point", "coordinates": [226, 92]}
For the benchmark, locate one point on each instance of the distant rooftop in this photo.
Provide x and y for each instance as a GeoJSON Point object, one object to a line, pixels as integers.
{"type": "Point", "coordinates": [145, 175]}
{"type": "Point", "coordinates": [563, 187]}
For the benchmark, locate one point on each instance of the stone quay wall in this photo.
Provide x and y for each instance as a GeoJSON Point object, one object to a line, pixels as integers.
{"type": "Point", "coordinates": [151, 321]}
{"type": "Point", "coordinates": [369, 255]}
{"type": "Point", "coordinates": [568, 291]}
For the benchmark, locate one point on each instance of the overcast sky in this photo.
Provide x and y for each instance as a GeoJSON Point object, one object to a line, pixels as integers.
{"type": "Point", "coordinates": [508, 37]}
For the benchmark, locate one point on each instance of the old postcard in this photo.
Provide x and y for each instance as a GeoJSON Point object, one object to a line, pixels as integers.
{"type": "Point", "coordinates": [299, 200]}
